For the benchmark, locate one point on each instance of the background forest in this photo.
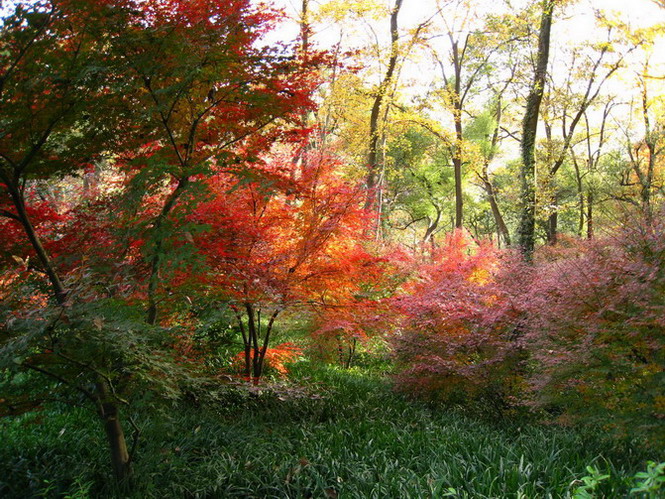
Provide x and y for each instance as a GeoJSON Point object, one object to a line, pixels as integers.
{"type": "Point", "coordinates": [378, 248]}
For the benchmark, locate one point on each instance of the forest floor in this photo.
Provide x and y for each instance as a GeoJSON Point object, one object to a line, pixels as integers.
{"type": "Point", "coordinates": [346, 435]}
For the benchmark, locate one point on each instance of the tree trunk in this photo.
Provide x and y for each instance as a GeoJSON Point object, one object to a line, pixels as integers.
{"type": "Point", "coordinates": [56, 284]}
{"type": "Point", "coordinates": [457, 166]}
{"type": "Point", "coordinates": [553, 221]}
{"type": "Point", "coordinates": [246, 343]}
{"type": "Point", "coordinates": [552, 227]}
{"type": "Point", "coordinates": [580, 194]}
{"type": "Point", "coordinates": [156, 259]}
{"type": "Point", "coordinates": [300, 158]}
{"type": "Point", "coordinates": [253, 342]}
{"type": "Point", "coordinates": [526, 231]}
{"type": "Point", "coordinates": [582, 214]}
{"type": "Point", "coordinates": [110, 415]}
{"type": "Point", "coordinates": [372, 179]}
{"type": "Point", "coordinates": [266, 341]}
{"type": "Point", "coordinates": [107, 407]}
{"type": "Point", "coordinates": [502, 229]}
{"type": "Point", "coordinates": [501, 226]}
{"type": "Point", "coordinates": [305, 30]}
{"type": "Point", "coordinates": [589, 216]}
{"type": "Point", "coordinates": [255, 346]}
{"type": "Point", "coordinates": [650, 141]}
{"type": "Point", "coordinates": [459, 136]}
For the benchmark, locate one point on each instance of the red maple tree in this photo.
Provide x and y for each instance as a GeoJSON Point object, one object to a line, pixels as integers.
{"type": "Point", "coordinates": [287, 239]}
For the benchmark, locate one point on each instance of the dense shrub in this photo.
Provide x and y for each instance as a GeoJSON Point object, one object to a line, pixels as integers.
{"type": "Point", "coordinates": [579, 335]}
{"type": "Point", "coordinates": [460, 334]}
{"type": "Point", "coordinates": [596, 331]}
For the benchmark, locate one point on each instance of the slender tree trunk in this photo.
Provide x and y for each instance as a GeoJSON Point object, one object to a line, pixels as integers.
{"type": "Point", "coordinates": [255, 346]}
{"type": "Point", "coordinates": [266, 341]}
{"type": "Point", "coordinates": [300, 158]}
{"type": "Point", "coordinates": [502, 228]}
{"type": "Point", "coordinates": [650, 141]}
{"type": "Point", "coordinates": [456, 102]}
{"type": "Point", "coordinates": [380, 191]}
{"type": "Point", "coordinates": [553, 221]}
{"type": "Point", "coordinates": [107, 407]}
{"type": "Point", "coordinates": [156, 259]}
{"type": "Point", "coordinates": [459, 135]}
{"type": "Point", "coordinates": [50, 270]}
{"type": "Point", "coordinates": [582, 215]}
{"type": "Point", "coordinates": [253, 340]}
{"type": "Point", "coordinates": [589, 216]}
{"type": "Point", "coordinates": [246, 344]}
{"type": "Point", "coordinates": [526, 231]}
{"type": "Point", "coordinates": [372, 179]}
{"type": "Point", "coordinates": [552, 227]}
{"type": "Point", "coordinates": [110, 415]}
{"type": "Point", "coordinates": [580, 194]}
{"type": "Point", "coordinates": [304, 30]}
{"type": "Point", "coordinates": [457, 167]}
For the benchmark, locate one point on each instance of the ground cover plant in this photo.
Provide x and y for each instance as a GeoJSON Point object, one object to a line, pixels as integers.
{"type": "Point", "coordinates": [357, 438]}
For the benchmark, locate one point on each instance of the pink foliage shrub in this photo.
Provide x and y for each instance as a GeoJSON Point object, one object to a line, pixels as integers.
{"type": "Point", "coordinates": [579, 334]}
{"type": "Point", "coordinates": [596, 332]}
{"type": "Point", "coordinates": [460, 338]}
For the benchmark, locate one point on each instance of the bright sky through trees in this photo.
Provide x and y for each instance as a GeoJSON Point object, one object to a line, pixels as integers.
{"type": "Point", "coordinates": [579, 22]}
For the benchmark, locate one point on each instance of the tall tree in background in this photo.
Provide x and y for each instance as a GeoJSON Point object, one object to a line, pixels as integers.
{"type": "Point", "coordinates": [473, 54]}
{"type": "Point", "coordinates": [468, 64]}
{"type": "Point", "coordinates": [497, 60]}
{"type": "Point", "coordinates": [645, 167]}
{"type": "Point", "coordinates": [489, 125]}
{"type": "Point", "coordinates": [586, 165]}
{"type": "Point", "coordinates": [373, 176]}
{"type": "Point", "coordinates": [640, 172]}
{"type": "Point", "coordinates": [526, 230]}
{"type": "Point", "coordinates": [568, 105]}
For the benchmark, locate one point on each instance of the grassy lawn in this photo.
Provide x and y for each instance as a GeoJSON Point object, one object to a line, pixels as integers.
{"type": "Point", "coordinates": [357, 440]}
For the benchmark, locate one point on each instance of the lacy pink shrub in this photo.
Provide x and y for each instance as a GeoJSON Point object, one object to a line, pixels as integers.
{"type": "Point", "coordinates": [460, 329]}
{"type": "Point", "coordinates": [596, 325]}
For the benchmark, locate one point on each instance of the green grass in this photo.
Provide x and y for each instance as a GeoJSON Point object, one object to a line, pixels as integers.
{"type": "Point", "coordinates": [358, 440]}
